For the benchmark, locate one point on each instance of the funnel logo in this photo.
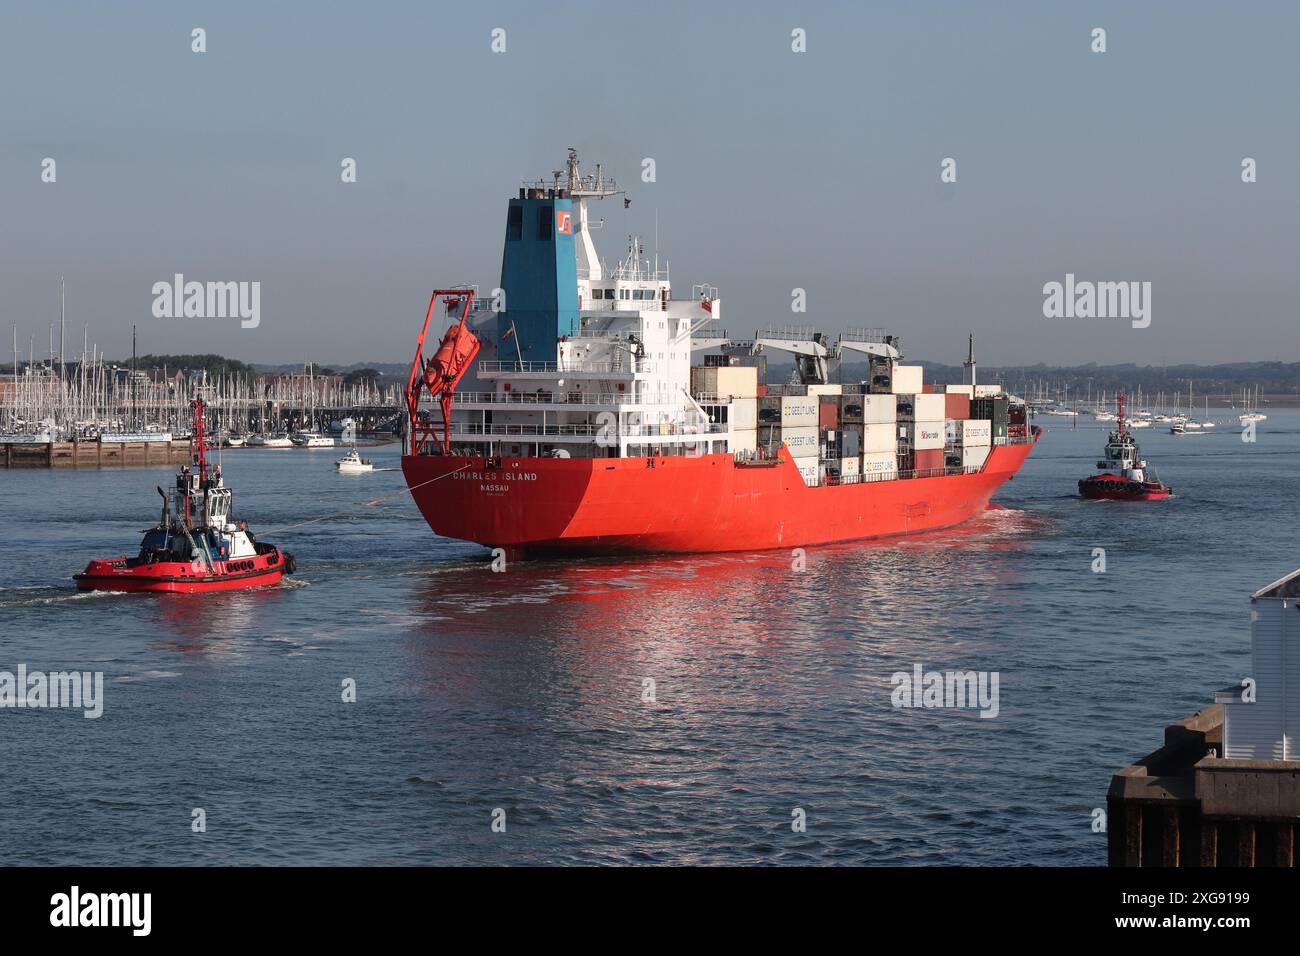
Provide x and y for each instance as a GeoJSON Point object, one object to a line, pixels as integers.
{"type": "Point", "coordinates": [563, 223]}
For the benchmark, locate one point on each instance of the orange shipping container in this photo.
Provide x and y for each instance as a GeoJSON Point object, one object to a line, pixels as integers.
{"type": "Point", "coordinates": [829, 415]}
{"type": "Point", "coordinates": [928, 459]}
{"type": "Point", "coordinates": [956, 406]}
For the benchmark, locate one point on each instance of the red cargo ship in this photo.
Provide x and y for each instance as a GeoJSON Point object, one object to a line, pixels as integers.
{"type": "Point", "coordinates": [200, 547]}
{"type": "Point", "coordinates": [591, 432]}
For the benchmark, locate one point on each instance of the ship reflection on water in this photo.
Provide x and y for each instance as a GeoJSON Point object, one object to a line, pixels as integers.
{"type": "Point", "coordinates": [762, 598]}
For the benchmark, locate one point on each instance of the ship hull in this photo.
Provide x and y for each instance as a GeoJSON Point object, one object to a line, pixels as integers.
{"type": "Point", "coordinates": [1110, 488]}
{"type": "Point", "coordinates": [181, 577]}
{"type": "Point", "coordinates": [571, 506]}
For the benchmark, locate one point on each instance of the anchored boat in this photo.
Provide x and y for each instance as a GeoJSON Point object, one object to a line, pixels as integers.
{"type": "Point", "coordinates": [564, 415]}
{"type": "Point", "coordinates": [1125, 474]}
{"type": "Point", "coordinates": [197, 544]}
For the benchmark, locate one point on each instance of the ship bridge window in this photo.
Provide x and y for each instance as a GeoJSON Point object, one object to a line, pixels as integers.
{"type": "Point", "coordinates": [598, 293]}
{"type": "Point", "coordinates": [515, 223]}
{"type": "Point", "coordinates": [545, 223]}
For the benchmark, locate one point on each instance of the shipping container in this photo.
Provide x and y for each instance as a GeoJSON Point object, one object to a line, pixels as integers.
{"type": "Point", "coordinates": [974, 456]}
{"type": "Point", "coordinates": [907, 380]}
{"type": "Point", "coordinates": [745, 439]}
{"type": "Point", "coordinates": [828, 414]}
{"type": "Point", "coordinates": [879, 438]}
{"type": "Point", "coordinates": [735, 381]}
{"type": "Point", "coordinates": [850, 466]}
{"type": "Point", "coordinates": [986, 391]}
{"type": "Point", "coordinates": [851, 440]}
{"type": "Point", "coordinates": [991, 409]}
{"type": "Point", "coordinates": [929, 460]}
{"type": "Point", "coordinates": [808, 470]}
{"type": "Point", "coordinates": [976, 432]}
{"type": "Point", "coordinates": [797, 410]}
{"type": "Point", "coordinates": [879, 463]}
{"type": "Point", "coordinates": [743, 413]}
{"type": "Point", "coordinates": [929, 408]}
{"type": "Point", "coordinates": [928, 435]}
{"type": "Point", "coordinates": [967, 390]}
{"type": "Point", "coordinates": [956, 405]}
{"type": "Point", "coordinates": [871, 409]}
{"type": "Point", "coordinates": [803, 441]}
{"type": "Point", "coordinates": [825, 389]}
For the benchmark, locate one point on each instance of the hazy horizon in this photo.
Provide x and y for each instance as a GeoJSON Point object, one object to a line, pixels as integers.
{"type": "Point", "coordinates": [775, 170]}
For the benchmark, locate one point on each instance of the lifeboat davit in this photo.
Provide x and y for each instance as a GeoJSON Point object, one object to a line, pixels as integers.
{"type": "Point", "coordinates": [197, 546]}
{"type": "Point", "coordinates": [1126, 476]}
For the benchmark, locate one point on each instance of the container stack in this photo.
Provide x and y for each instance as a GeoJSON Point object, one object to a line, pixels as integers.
{"type": "Point", "coordinates": [968, 441]}
{"type": "Point", "coordinates": [995, 410]}
{"type": "Point", "coordinates": [868, 435]}
{"type": "Point", "coordinates": [792, 420]}
{"type": "Point", "coordinates": [735, 389]}
{"type": "Point", "coordinates": [921, 431]}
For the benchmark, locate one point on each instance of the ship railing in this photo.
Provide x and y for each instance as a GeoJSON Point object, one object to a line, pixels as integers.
{"type": "Point", "coordinates": [599, 368]}
{"type": "Point", "coordinates": [665, 430]}
{"type": "Point", "coordinates": [797, 333]}
{"type": "Point", "coordinates": [551, 397]}
{"type": "Point", "coordinates": [859, 479]}
{"type": "Point", "coordinates": [872, 336]}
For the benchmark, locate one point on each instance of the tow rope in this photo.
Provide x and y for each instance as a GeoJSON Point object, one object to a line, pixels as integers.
{"type": "Point", "coordinates": [365, 504]}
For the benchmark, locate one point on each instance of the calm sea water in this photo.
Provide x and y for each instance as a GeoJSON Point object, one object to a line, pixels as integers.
{"type": "Point", "coordinates": [523, 690]}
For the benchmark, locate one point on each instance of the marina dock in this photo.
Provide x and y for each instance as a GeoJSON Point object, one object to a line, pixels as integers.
{"type": "Point", "coordinates": [93, 454]}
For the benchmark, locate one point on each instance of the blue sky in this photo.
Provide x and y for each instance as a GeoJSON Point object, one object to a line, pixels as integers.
{"type": "Point", "coordinates": [775, 170]}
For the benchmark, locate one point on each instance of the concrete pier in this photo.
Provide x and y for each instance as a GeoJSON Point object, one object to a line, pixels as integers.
{"type": "Point", "coordinates": [94, 454]}
{"type": "Point", "coordinates": [1184, 805]}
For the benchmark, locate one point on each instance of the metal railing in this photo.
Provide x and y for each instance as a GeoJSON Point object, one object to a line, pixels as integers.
{"type": "Point", "coordinates": [549, 398]}
{"type": "Point", "coordinates": [873, 336]}
{"type": "Point", "coordinates": [585, 430]}
{"type": "Point", "coordinates": [597, 368]}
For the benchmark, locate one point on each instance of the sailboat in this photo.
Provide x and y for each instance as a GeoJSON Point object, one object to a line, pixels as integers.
{"type": "Point", "coordinates": [1250, 415]}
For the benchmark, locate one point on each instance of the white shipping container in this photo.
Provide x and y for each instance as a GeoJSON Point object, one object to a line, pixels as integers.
{"type": "Point", "coordinates": [928, 435]}
{"type": "Point", "coordinates": [907, 380]}
{"type": "Point", "coordinates": [879, 409]}
{"type": "Point", "coordinates": [799, 410]}
{"type": "Point", "coordinates": [849, 467]}
{"type": "Point", "coordinates": [745, 439]}
{"type": "Point", "coordinates": [879, 438]}
{"type": "Point", "coordinates": [986, 391]}
{"type": "Point", "coordinates": [880, 463]}
{"type": "Point", "coordinates": [976, 431]}
{"type": "Point", "coordinates": [802, 441]}
{"type": "Point", "coordinates": [928, 408]}
{"type": "Point", "coordinates": [959, 390]}
{"type": "Point", "coordinates": [808, 470]}
{"type": "Point", "coordinates": [974, 456]}
{"type": "Point", "coordinates": [825, 389]}
{"type": "Point", "coordinates": [744, 414]}
{"type": "Point", "coordinates": [952, 431]}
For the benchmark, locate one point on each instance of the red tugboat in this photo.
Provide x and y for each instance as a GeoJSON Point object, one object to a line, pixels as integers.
{"type": "Point", "coordinates": [198, 546]}
{"type": "Point", "coordinates": [1126, 475]}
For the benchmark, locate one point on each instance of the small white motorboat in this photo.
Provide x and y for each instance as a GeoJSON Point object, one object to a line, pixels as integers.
{"type": "Point", "coordinates": [353, 464]}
